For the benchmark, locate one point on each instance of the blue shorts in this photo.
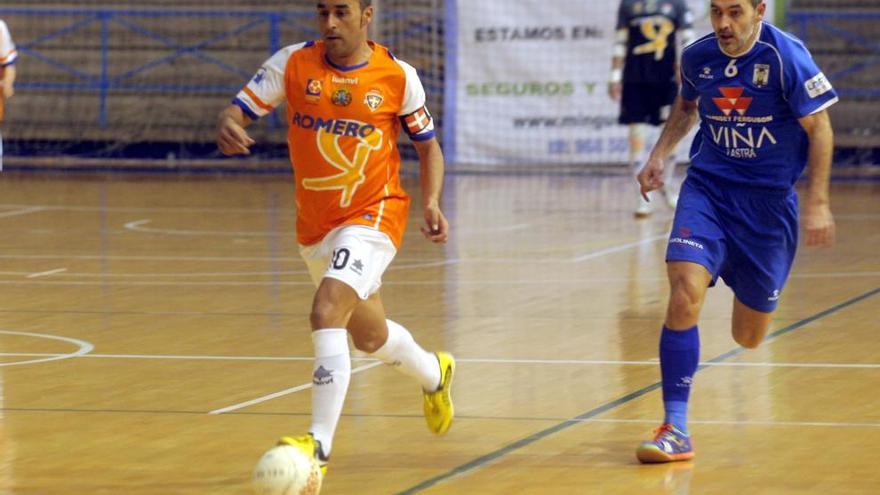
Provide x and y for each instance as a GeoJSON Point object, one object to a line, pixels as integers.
{"type": "Point", "coordinates": [745, 235]}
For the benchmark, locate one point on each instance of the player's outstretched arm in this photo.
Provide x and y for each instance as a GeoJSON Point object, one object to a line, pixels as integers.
{"type": "Point", "coordinates": [681, 119]}
{"type": "Point", "coordinates": [817, 220]}
{"type": "Point", "coordinates": [431, 172]}
{"type": "Point", "coordinates": [232, 139]}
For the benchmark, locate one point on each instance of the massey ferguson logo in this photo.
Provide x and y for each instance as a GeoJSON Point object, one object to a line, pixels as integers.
{"type": "Point", "coordinates": [731, 100]}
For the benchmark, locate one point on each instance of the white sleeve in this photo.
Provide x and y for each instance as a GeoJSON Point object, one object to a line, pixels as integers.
{"type": "Point", "coordinates": [414, 115]}
{"type": "Point", "coordinates": [8, 54]}
{"type": "Point", "coordinates": [265, 90]}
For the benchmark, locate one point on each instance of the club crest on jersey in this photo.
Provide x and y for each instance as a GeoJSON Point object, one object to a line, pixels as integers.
{"type": "Point", "coordinates": [341, 97]}
{"type": "Point", "coordinates": [373, 99]}
{"type": "Point", "coordinates": [761, 76]}
{"type": "Point", "coordinates": [313, 90]}
{"type": "Point", "coordinates": [707, 73]}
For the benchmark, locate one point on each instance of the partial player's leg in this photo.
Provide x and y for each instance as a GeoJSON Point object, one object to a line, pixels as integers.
{"type": "Point", "coordinates": [664, 94]}
{"type": "Point", "coordinates": [394, 345]}
{"type": "Point", "coordinates": [749, 326]}
{"type": "Point", "coordinates": [333, 304]}
{"type": "Point", "coordinates": [758, 265]}
{"type": "Point", "coordinates": [695, 251]}
{"type": "Point", "coordinates": [344, 266]}
{"type": "Point", "coordinates": [679, 358]}
{"type": "Point", "coordinates": [637, 159]}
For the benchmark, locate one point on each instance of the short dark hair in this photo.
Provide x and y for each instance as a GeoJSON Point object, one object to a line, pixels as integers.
{"type": "Point", "coordinates": [755, 3]}
{"type": "Point", "coordinates": [367, 3]}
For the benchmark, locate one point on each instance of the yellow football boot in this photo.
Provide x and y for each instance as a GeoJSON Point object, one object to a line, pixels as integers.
{"type": "Point", "coordinates": [438, 404]}
{"type": "Point", "coordinates": [309, 446]}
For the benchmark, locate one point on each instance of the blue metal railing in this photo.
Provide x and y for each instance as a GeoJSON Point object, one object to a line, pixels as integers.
{"type": "Point", "coordinates": [103, 82]}
{"type": "Point", "coordinates": [801, 23]}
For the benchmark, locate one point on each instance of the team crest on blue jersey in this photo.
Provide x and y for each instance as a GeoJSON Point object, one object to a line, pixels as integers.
{"type": "Point", "coordinates": [761, 76]}
{"type": "Point", "coordinates": [342, 97]}
{"type": "Point", "coordinates": [373, 99]}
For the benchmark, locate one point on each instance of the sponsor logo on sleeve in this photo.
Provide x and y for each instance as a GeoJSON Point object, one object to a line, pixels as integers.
{"type": "Point", "coordinates": [818, 85]}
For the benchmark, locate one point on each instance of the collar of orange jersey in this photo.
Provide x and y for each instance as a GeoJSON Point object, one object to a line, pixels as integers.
{"type": "Point", "coordinates": [347, 68]}
{"type": "Point", "coordinates": [754, 42]}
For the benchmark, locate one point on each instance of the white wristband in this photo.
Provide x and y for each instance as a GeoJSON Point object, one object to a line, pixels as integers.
{"type": "Point", "coordinates": [616, 75]}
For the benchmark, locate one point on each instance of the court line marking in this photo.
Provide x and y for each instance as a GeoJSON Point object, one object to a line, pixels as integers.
{"type": "Point", "coordinates": [290, 210]}
{"type": "Point", "coordinates": [619, 248]}
{"type": "Point", "coordinates": [282, 393]}
{"type": "Point", "coordinates": [399, 266]}
{"type": "Point", "coordinates": [22, 211]}
{"type": "Point", "coordinates": [448, 283]}
{"type": "Point", "coordinates": [568, 362]}
{"type": "Point", "coordinates": [84, 348]}
{"type": "Point", "coordinates": [47, 273]}
{"type": "Point", "coordinates": [782, 424]}
{"type": "Point", "coordinates": [138, 226]}
{"type": "Point", "coordinates": [468, 467]}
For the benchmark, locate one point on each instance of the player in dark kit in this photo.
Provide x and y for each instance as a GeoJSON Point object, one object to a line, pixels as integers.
{"type": "Point", "coordinates": [644, 74]}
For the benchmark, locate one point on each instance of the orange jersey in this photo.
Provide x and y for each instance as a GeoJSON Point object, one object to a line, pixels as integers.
{"type": "Point", "coordinates": [343, 127]}
{"type": "Point", "coordinates": [8, 54]}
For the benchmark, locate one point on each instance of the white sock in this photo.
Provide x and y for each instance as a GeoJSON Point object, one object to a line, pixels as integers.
{"type": "Point", "coordinates": [403, 353]}
{"type": "Point", "coordinates": [332, 373]}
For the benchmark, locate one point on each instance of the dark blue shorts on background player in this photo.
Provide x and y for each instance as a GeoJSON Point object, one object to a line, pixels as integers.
{"type": "Point", "coordinates": [647, 103]}
{"type": "Point", "coordinates": [745, 235]}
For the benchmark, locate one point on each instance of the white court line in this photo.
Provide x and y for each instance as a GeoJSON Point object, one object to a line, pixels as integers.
{"type": "Point", "coordinates": [586, 362]}
{"type": "Point", "coordinates": [737, 422]}
{"type": "Point", "coordinates": [281, 393]}
{"type": "Point", "coordinates": [461, 283]}
{"type": "Point", "coordinates": [47, 273]}
{"type": "Point", "coordinates": [83, 349]}
{"type": "Point", "coordinates": [22, 211]}
{"type": "Point", "coordinates": [137, 227]}
{"type": "Point", "coordinates": [136, 209]}
{"type": "Point", "coordinates": [616, 249]}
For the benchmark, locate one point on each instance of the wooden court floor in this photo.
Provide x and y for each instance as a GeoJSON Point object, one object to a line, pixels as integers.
{"type": "Point", "coordinates": [153, 340]}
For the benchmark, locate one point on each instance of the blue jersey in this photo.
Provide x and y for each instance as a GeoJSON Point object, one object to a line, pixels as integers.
{"type": "Point", "coordinates": [750, 105]}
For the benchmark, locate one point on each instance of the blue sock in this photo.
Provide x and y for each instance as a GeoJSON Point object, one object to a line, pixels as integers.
{"type": "Point", "coordinates": [679, 358]}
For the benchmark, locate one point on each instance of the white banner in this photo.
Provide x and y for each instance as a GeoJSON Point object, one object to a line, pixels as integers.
{"type": "Point", "coordinates": [526, 82]}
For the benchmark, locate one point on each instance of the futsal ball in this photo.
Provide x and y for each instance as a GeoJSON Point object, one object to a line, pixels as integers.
{"type": "Point", "coordinates": [286, 470]}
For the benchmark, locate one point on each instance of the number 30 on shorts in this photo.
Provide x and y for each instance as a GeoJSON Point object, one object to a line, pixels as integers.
{"type": "Point", "coordinates": [340, 258]}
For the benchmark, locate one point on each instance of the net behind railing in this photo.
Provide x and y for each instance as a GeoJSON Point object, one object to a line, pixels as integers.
{"type": "Point", "coordinates": [147, 79]}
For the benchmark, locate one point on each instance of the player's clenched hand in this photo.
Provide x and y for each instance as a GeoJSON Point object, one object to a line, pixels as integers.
{"type": "Point", "coordinates": [232, 139]}
{"type": "Point", "coordinates": [651, 176]}
{"type": "Point", "coordinates": [818, 225]}
{"type": "Point", "coordinates": [436, 228]}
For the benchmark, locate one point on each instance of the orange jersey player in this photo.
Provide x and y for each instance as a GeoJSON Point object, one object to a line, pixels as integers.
{"type": "Point", "coordinates": [8, 55]}
{"type": "Point", "coordinates": [343, 127]}
{"type": "Point", "coordinates": [347, 100]}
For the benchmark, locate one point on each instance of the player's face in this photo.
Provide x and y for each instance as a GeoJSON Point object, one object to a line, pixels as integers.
{"type": "Point", "coordinates": [343, 26]}
{"type": "Point", "coordinates": [736, 23]}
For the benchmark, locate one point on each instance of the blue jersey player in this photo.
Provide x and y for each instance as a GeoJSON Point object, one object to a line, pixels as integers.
{"type": "Point", "coordinates": [762, 103]}
{"type": "Point", "coordinates": [644, 73]}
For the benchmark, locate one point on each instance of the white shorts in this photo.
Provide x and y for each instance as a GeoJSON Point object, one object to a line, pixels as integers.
{"type": "Point", "coordinates": [352, 254]}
